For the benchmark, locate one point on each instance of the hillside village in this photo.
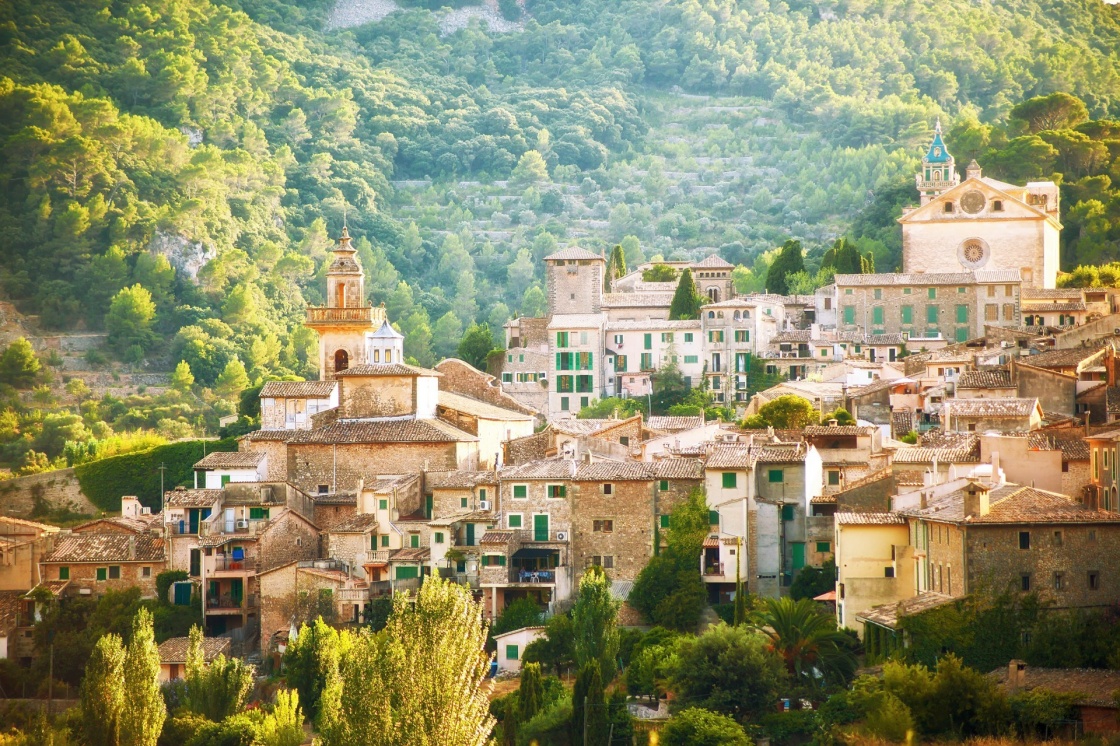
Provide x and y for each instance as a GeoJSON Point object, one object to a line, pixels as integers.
{"type": "Point", "coordinates": [981, 452]}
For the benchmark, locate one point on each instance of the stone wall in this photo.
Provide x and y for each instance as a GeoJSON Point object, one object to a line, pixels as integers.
{"type": "Point", "coordinates": [276, 460]}
{"type": "Point", "coordinates": [1075, 477]}
{"type": "Point", "coordinates": [629, 507]}
{"type": "Point", "coordinates": [289, 537]}
{"type": "Point", "coordinates": [996, 562]}
{"type": "Point", "coordinates": [376, 396]}
{"type": "Point", "coordinates": [575, 286]}
{"type": "Point", "coordinates": [1056, 392]}
{"type": "Point", "coordinates": [530, 448]}
{"type": "Point", "coordinates": [84, 575]}
{"type": "Point", "coordinates": [873, 495]}
{"type": "Point", "coordinates": [327, 517]}
{"type": "Point", "coordinates": [462, 378]}
{"type": "Point", "coordinates": [945, 561]}
{"type": "Point", "coordinates": [313, 464]}
{"type": "Point", "coordinates": [277, 589]}
{"type": "Point", "coordinates": [40, 494]}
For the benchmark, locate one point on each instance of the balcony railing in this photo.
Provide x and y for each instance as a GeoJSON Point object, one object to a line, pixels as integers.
{"type": "Point", "coordinates": [226, 563]}
{"type": "Point", "coordinates": [226, 601]}
{"type": "Point", "coordinates": [358, 315]}
{"type": "Point", "coordinates": [714, 569]}
{"type": "Point", "coordinates": [244, 526]}
{"type": "Point", "coordinates": [352, 595]}
{"type": "Point", "coordinates": [517, 575]}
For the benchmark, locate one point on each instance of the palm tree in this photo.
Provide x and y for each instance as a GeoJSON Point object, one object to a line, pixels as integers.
{"type": "Point", "coordinates": [814, 651]}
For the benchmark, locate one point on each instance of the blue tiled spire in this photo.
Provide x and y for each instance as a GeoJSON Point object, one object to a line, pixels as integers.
{"type": "Point", "coordinates": [937, 152]}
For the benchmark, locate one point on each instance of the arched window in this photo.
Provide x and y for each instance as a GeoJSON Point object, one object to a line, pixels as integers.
{"type": "Point", "coordinates": [711, 314]}
{"type": "Point", "coordinates": [341, 360]}
{"type": "Point", "coordinates": [713, 294]}
{"type": "Point", "coordinates": [736, 315]}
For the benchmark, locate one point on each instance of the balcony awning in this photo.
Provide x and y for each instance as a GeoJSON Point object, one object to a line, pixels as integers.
{"type": "Point", "coordinates": [533, 553]}
{"type": "Point", "coordinates": [711, 542]}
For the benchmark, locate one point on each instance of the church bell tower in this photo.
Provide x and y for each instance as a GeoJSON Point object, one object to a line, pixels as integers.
{"type": "Point", "coordinates": [345, 320]}
{"type": "Point", "coordinates": [939, 169]}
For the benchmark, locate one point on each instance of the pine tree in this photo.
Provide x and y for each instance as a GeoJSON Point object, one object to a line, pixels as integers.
{"type": "Point", "coordinates": [686, 300]}
{"type": "Point", "coordinates": [789, 261]}
{"type": "Point", "coordinates": [232, 380]}
{"type": "Point", "coordinates": [531, 692]}
{"type": "Point", "coordinates": [18, 364]}
{"type": "Point", "coordinates": [102, 692]}
{"type": "Point", "coordinates": [182, 379]}
{"type": "Point", "coordinates": [144, 710]}
{"type": "Point", "coordinates": [129, 320]}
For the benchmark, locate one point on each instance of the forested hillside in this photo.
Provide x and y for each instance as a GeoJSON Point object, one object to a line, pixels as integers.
{"type": "Point", "coordinates": [175, 169]}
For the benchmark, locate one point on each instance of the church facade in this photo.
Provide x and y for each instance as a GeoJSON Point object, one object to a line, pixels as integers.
{"type": "Point", "coordinates": [980, 223]}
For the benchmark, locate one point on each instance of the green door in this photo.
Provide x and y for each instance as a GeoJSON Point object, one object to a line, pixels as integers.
{"type": "Point", "coordinates": [798, 555]}
{"type": "Point", "coordinates": [540, 528]}
{"type": "Point", "coordinates": [470, 534]}
{"type": "Point", "coordinates": [237, 592]}
{"type": "Point", "coordinates": [182, 594]}
{"type": "Point", "coordinates": [196, 562]}
{"type": "Point", "coordinates": [193, 512]}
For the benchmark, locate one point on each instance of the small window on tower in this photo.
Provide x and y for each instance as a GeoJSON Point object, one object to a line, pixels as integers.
{"type": "Point", "coordinates": [948, 207]}
{"type": "Point", "coordinates": [997, 205]}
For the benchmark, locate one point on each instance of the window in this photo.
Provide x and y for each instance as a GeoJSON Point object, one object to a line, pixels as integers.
{"type": "Point", "coordinates": [514, 520]}
{"type": "Point", "coordinates": [960, 290]}
{"type": "Point", "coordinates": [849, 314]}
{"type": "Point", "coordinates": [414, 541]}
{"type": "Point", "coordinates": [1024, 539]}
{"type": "Point", "coordinates": [561, 339]}
{"type": "Point", "coordinates": [64, 573]}
{"type": "Point", "coordinates": [906, 291]}
{"type": "Point", "coordinates": [585, 384]}
{"type": "Point", "coordinates": [623, 440]}
{"type": "Point", "coordinates": [620, 364]}
{"type": "Point", "coordinates": [932, 293]}
{"type": "Point", "coordinates": [715, 335]}
{"type": "Point", "coordinates": [878, 293]}
{"type": "Point", "coordinates": [931, 314]}
{"type": "Point", "coordinates": [1025, 582]}
{"type": "Point", "coordinates": [742, 335]}
{"type": "Point", "coordinates": [713, 517]}
{"type": "Point", "coordinates": [384, 540]}
{"type": "Point", "coordinates": [647, 342]}
{"type": "Point", "coordinates": [102, 573]}
{"type": "Point", "coordinates": [962, 314]}
{"type": "Point", "coordinates": [437, 537]}
{"type": "Point", "coordinates": [991, 312]}
{"type": "Point", "coordinates": [383, 504]}
{"type": "Point", "coordinates": [1059, 581]}
{"type": "Point", "coordinates": [602, 527]}
{"type": "Point", "coordinates": [888, 572]}
{"type": "Point", "coordinates": [1092, 535]}
{"type": "Point", "coordinates": [1057, 538]}
{"type": "Point", "coordinates": [145, 572]}
{"type": "Point", "coordinates": [564, 404]}
{"type": "Point", "coordinates": [833, 478]}
{"type": "Point", "coordinates": [991, 291]}
{"type": "Point", "coordinates": [907, 314]}
{"type": "Point", "coordinates": [1094, 580]}
{"type": "Point", "coordinates": [848, 291]}
{"type": "Point", "coordinates": [824, 546]}
{"type": "Point", "coordinates": [663, 485]}
{"type": "Point", "coordinates": [667, 337]}
{"type": "Point", "coordinates": [511, 652]}
{"type": "Point", "coordinates": [493, 560]}
{"type": "Point", "coordinates": [507, 378]}
{"type": "Point", "coordinates": [1008, 312]}
{"type": "Point", "coordinates": [948, 207]}
{"type": "Point", "coordinates": [787, 512]}
{"type": "Point", "coordinates": [687, 337]}
{"type": "Point", "coordinates": [462, 502]}
{"type": "Point", "coordinates": [520, 491]}
{"type": "Point", "coordinates": [583, 338]}
{"type": "Point", "coordinates": [647, 361]}
{"type": "Point", "coordinates": [114, 572]}
{"type": "Point", "coordinates": [605, 561]}
{"type": "Point", "coordinates": [664, 521]}
{"type": "Point", "coordinates": [997, 205]}
{"type": "Point", "coordinates": [691, 359]}
{"type": "Point", "coordinates": [324, 489]}
{"type": "Point", "coordinates": [608, 488]}
{"type": "Point", "coordinates": [556, 490]}
{"type": "Point", "coordinates": [775, 476]}
{"type": "Point", "coordinates": [730, 480]}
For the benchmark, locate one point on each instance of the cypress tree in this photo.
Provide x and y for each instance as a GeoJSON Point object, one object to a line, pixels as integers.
{"type": "Point", "coordinates": [531, 692]}
{"type": "Point", "coordinates": [144, 710]}
{"type": "Point", "coordinates": [788, 262]}
{"type": "Point", "coordinates": [102, 692]}
{"type": "Point", "coordinates": [686, 301]}
{"type": "Point", "coordinates": [596, 709]}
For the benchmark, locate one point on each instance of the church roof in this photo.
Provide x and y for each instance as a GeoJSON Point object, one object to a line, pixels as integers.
{"type": "Point", "coordinates": [937, 152]}
{"type": "Point", "coordinates": [572, 252]}
{"type": "Point", "coordinates": [386, 332]}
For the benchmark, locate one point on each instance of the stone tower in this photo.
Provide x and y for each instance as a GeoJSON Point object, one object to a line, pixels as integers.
{"type": "Point", "coordinates": [575, 281]}
{"type": "Point", "coordinates": [939, 169]}
{"type": "Point", "coordinates": [345, 320]}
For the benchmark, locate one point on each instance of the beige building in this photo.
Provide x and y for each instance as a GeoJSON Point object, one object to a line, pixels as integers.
{"type": "Point", "coordinates": [22, 545]}
{"type": "Point", "coordinates": [874, 563]}
{"type": "Point", "coordinates": [980, 223]}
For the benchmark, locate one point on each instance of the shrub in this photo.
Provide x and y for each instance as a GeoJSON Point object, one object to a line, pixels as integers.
{"type": "Point", "coordinates": [698, 727]}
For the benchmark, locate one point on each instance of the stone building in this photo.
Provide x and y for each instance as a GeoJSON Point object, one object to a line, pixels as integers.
{"type": "Point", "coordinates": [980, 223]}
{"type": "Point", "coordinates": [22, 546]}
{"type": "Point", "coordinates": [981, 415]}
{"type": "Point", "coordinates": [97, 562]}
{"type": "Point", "coordinates": [290, 405]}
{"type": "Point", "coordinates": [848, 453]}
{"type": "Point", "coordinates": [928, 307]}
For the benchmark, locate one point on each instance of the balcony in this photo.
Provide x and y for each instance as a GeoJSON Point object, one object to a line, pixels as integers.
{"type": "Point", "coordinates": [352, 595]}
{"type": "Point", "coordinates": [532, 577]}
{"type": "Point", "coordinates": [715, 569]}
{"type": "Point", "coordinates": [364, 315]}
{"type": "Point", "coordinates": [228, 604]}
{"type": "Point", "coordinates": [240, 526]}
{"type": "Point", "coordinates": [223, 564]}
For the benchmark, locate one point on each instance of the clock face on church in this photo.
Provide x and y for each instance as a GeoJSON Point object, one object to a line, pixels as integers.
{"type": "Point", "coordinates": [973, 253]}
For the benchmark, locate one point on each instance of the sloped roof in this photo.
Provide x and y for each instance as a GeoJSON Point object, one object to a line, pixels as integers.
{"type": "Point", "coordinates": [1069, 358]}
{"type": "Point", "coordinates": [728, 457]}
{"type": "Point", "coordinates": [1093, 687]}
{"type": "Point", "coordinates": [922, 279]}
{"type": "Point", "coordinates": [174, 650]}
{"type": "Point", "coordinates": [9, 611]}
{"type": "Point", "coordinates": [572, 252]}
{"type": "Point", "coordinates": [1014, 504]}
{"type": "Point", "coordinates": [674, 424]}
{"type": "Point", "coordinates": [1073, 448]}
{"type": "Point", "coordinates": [993, 407]}
{"type": "Point", "coordinates": [985, 379]}
{"type": "Point", "coordinates": [297, 389]}
{"type": "Point", "coordinates": [1031, 293]}
{"type": "Point", "coordinates": [479, 409]}
{"type": "Point", "coordinates": [386, 331]}
{"type": "Point", "coordinates": [826, 430]}
{"type": "Point", "coordinates": [458, 479]}
{"type": "Point", "coordinates": [888, 615]}
{"type": "Point", "coordinates": [572, 426]}
{"type": "Point", "coordinates": [231, 460]}
{"type": "Point", "coordinates": [107, 547]}
{"type": "Point", "coordinates": [713, 261]}
{"type": "Point", "coordinates": [383, 431]}
{"type": "Point", "coordinates": [636, 300]}
{"type": "Point", "coordinates": [496, 537]}
{"type": "Point", "coordinates": [385, 369]}
{"type": "Point", "coordinates": [871, 519]}
{"type": "Point", "coordinates": [355, 524]}
{"type": "Point", "coordinates": [544, 469]}
{"type": "Point", "coordinates": [410, 554]}
{"type": "Point", "coordinates": [677, 468]}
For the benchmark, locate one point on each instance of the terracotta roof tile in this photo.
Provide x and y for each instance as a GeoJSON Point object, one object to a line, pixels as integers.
{"type": "Point", "coordinates": [382, 431]}
{"type": "Point", "coordinates": [827, 430]}
{"type": "Point", "coordinates": [9, 610]}
{"type": "Point", "coordinates": [871, 519]}
{"type": "Point", "coordinates": [106, 547]}
{"type": "Point", "coordinates": [458, 479]}
{"type": "Point", "coordinates": [230, 460]}
{"type": "Point", "coordinates": [297, 389]}
{"type": "Point", "coordinates": [1062, 358]}
{"type": "Point", "coordinates": [410, 554]}
{"type": "Point", "coordinates": [674, 424]}
{"type": "Point", "coordinates": [335, 498]}
{"type": "Point", "coordinates": [1092, 686]}
{"type": "Point", "coordinates": [728, 457]}
{"type": "Point", "coordinates": [496, 537]}
{"type": "Point", "coordinates": [174, 650]}
{"type": "Point", "coordinates": [713, 261]}
{"type": "Point", "coordinates": [887, 615]}
{"type": "Point", "coordinates": [928, 278]}
{"type": "Point", "coordinates": [636, 300]}
{"type": "Point", "coordinates": [385, 369]}
{"type": "Point", "coordinates": [677, 468]}
{"type": "Point", "coordinates": [994, 407]}
{"type": "Point", "coordinates": [182, 497]}
{"type": "Point", "coordinates": [546, 469]}
{"type": "Point", "coordinates": [571, 252]}
{"type": "Point", "coordinates": [985, 379]}
{"type": "Point", "coordinates": [266, 435]}
{"type": "Point", "coordinates": [478, 408]}
{"type": "Point", "coordinates": [356, 524]}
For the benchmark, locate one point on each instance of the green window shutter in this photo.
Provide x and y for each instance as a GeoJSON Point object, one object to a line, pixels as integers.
{"type": "Point", "coordinates": [383, 504]}
{"type": "Point", "coordinates": [931, 314]}
{"type": "Point", "coordinates": [833, 478]}
{"type": "Point", "coordinates": [511, 652]}
{"type": "Point", "coordinates": [540, 528]}
{"type": "Point", "coordinates": [501, 560]}
{"type": "Point", "coordinates": [962, 314]}
{"type": "Point", "coordinates": [520, 490]}
{"type": "Point", "coordinates": [515, 521]}
{"type": "Point", "coordinates": [558, 361]}
{"type": "Point", "coordinates": [439, 537]}
{"type": "Point", "coordinates": [64, 573]}
{"type": "Point", "coordinates": [729, 480]}
{"type": "Point", "coordinates": [385, 540]}
{"type": "Point", "coordinates": [225, 479]}
{"type": "Point", "coordinates": [907, 314]}
{"type": "Point", "coordinates": [962, 334]}
{"type": "Point", "coordinates": [482, 493]}
{"type": "Point", "coordinates": [713, 517]}
{"type": "Point", "coordinates": [101, 573]}
{"type": "Point", "coordinates": [647, 342]}
{"type": "Point", "coordinates": [664, 521]}
{"type": "Point", "coordinates": [414, 541]}
{"type": "Point", "coordinates": [663, 485]}
{"type": "Point", "coordinates": [258, 514]}
{"type": "Point", "coordinates": [849, 314]}
{"type": "Point", "coordinates": [824, 546]}
{"type": "Point", "coordinates": [462, 502]}
{"type": "Point", "coordinates": [877, 315]}
{"type": "Point", "coordinates": [932, 293]}
{"type": "Point", "coordinates": [775, 476]}
{"type": "Point", "coordinates": [787, 512]}
{"type": "Point", "coordinates": [407, 573]}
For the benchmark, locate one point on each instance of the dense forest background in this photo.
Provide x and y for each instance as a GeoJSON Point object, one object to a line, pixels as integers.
{"type": "Point", "coordinates": [174, 171]}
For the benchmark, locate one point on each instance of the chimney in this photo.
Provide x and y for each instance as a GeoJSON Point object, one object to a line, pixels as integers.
{"type": "Point", "coordinates": [1016, 675]}
{"type": "Point", "coordinates": [975, 500]}
{"type": "Point", "coordinates": [130, 506]}
{"type": "Point", "coordinates": [132, 547]}
{"type": "Point", "coordinates": [945, 418]}
{"type": "Point", "coordinates": [923, 499]}
{"type": "Point", "coordinates": [833, 422]}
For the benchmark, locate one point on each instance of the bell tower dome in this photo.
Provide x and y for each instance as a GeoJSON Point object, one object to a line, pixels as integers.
{"type": "Point", "coordinates": [939, 169]}
{"type": "Point", "coordinates": [343, 322]}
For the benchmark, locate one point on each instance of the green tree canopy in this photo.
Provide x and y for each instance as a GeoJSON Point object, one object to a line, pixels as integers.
{"type": "Point", "coordinates": [19, 367]}
{"type": "Point", "coordinates": [686, 300]}
{"type": "Point", "coordinates": [129, 321]}
{"type": "Point", "coordinates": [696, 726]}
{"type": "Point", "coordinates": [1054, 112]}
{"type": "Point", "coordinates": [790, 260]}
{"type": "Point", "coordinates": [595, 622]}
{"type": "Point", "coordinates": [477, 343]}
{"type": "Point", "coordinates": [787, 412]}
